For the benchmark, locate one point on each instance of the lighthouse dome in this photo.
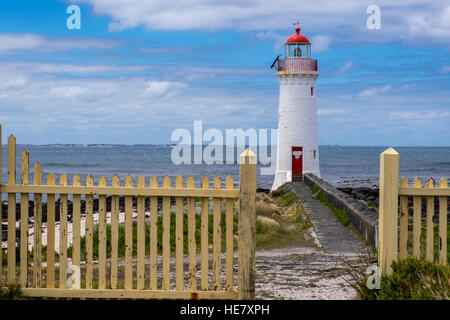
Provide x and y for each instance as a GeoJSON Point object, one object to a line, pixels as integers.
{"type": "Point", "coordinates": [297, 37]}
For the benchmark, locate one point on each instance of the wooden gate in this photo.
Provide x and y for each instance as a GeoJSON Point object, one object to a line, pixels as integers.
{"type": "Point", "coordinates": [155, 251]}
{"type": "Point", "coordinates": [400, 235]}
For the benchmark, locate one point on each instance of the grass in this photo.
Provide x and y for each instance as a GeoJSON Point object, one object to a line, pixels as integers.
{"type": "Point", "coordinates": [436, 241]}
{"type": "Point", "coordinates": [411, 279]}
{"type": "Point", "coordinates": [340, 214]}
{"type": "Point", "coordinates": [10, 291]}
{"type": "Point", "coordinates": [121, 241]}
{"type": "Point", "coordinates": [289, 224]}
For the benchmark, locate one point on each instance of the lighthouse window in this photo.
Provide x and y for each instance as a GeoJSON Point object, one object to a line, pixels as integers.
{"type": "Point", "coordinates": [314, 153]}
{"type": "Point", "coordinates": [312, 91]}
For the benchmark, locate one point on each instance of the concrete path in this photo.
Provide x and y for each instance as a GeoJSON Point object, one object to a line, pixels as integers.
{"type": "Point", "coordinates": [332, 235]}
{"type": "Point", "coordinates": [315, 272]}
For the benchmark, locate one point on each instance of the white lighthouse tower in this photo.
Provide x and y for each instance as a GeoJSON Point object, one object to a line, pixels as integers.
{"type": "Point", "coordinates": [297, 148]}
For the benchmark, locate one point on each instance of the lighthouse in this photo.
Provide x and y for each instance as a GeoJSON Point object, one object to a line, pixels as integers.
{"type": "Point", "coordinates": [297, 147]}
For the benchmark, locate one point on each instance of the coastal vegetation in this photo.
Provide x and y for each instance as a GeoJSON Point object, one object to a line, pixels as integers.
{"type": "Point", "coordinates": [411, 279]}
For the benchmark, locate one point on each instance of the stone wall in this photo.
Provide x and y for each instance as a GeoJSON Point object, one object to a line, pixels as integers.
{"type": "Point", "coordinates": [364, 219]}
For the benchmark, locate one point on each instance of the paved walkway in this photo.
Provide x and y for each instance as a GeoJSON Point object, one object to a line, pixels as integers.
{"type": "Point", "coordinates": [332, 235]}
{"type": "Point", "coordinates": [316, 272]}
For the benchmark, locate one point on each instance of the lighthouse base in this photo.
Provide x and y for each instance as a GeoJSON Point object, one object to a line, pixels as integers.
{"type": "Point", "coordinates": [283, 176]}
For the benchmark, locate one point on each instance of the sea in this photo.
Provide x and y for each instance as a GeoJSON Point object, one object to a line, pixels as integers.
{"type": "Point", "coordinates": [341, 166]}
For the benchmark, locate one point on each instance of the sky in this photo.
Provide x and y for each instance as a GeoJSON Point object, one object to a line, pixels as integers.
{"type": "Point", "coordinates": [136, 70]}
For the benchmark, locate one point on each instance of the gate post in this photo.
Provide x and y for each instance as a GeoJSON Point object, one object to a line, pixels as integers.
{"type": "Point", "coordinates": [388, 210]}
{"type": "Point", "coordinates": [247, 225]}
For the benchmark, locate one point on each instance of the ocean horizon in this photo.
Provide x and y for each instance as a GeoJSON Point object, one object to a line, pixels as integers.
{"type": "Point", "coordinates": [341, 166]}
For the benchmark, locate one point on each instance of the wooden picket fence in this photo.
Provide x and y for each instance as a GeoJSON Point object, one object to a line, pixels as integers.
{"type": "Point", "coordinates": [134, 283]}
{"type": "Point", "coordinates": [394, 220]}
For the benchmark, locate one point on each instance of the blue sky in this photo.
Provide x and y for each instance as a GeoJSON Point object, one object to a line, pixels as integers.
{"type": "Point", "coordinates": [137, 70]}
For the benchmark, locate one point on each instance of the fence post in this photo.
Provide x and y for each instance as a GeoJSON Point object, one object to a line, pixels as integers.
{"type": "Point", "coordinates": [388, 210]}
{"type": "Point", "coordinates": [247, 226]}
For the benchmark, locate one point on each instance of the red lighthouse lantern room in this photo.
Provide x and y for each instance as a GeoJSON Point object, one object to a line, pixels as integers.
{"type": "Point", "coordinates": [297, 54]}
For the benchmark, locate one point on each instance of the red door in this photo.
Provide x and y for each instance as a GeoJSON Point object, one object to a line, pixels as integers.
{"type": "Point", "coordinates": [297, 163]}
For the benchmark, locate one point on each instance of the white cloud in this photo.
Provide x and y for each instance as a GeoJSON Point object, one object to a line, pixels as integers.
{"type": "Point", "coordinates": [159, 88]}
{"type": "Point", "coordinates": [345, 67]}
{"type": "Point", "coordinates": [374, 91]}
{"type": "Point", "coordinates": [445, 69]}
{"type": "Point", "coordinates": [345, 20]}
{"type": "Point", "coordinates": [329, 112]}
{"type": "Point", "coordinates": [320, 43]}
{"type": "Point", "coordinates": [417, 115]}
{"type": "Point", "coordinates": [12, 42]}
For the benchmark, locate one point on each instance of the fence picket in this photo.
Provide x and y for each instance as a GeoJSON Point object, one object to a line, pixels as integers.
{"type": "Point", "coordinates": [24, 198]}
{"type": "Point", "coordinates": [204, 262]}
{"type": "Point", "coordinates": [140, 269]}
{"type": "Point", "coordinates": [76, 220]}
{"type": "Point", "coordinates": [217, 207]}
{"type": "Point", "coordinates": [403, 245]}
{"type": "Point", "coordinates": [179, 213]}
{"type": "Point", "coordinates": [430, 225]}
{"type": "Point", "coordinates": [229, 237]}
{"type": "Point", "coordinates": [115, 182]}
{"type": "Point", "coordinates": [1, 182]}
{"type": "Point", "coordinates": [191, 237]}
{"type": "Point", "coordinates": [128, 236]}
{"type": "Point", "coordinates": [50, 234]}
{"type": "Point", "coordinates": [166, 236]}
{"type": "Point", "coordinates": [153, 236]}
{"type": "Point", "coordinates": [89, 234]}
{"type": "Point", "coordinates": [417, 218]}
{"type": "Point", "coordinates": [37, 248]}
{"type": "Point", "coordinates": [102, 236]}
{"type": "Point", "coordinates": [11, 210]}
{"type": "Point", "coordinates": [63, 235]}
{"type": "Point", "coordinates": [443, 205]}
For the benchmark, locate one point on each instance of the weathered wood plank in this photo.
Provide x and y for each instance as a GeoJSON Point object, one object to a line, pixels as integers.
{"type": "Point", "coordinates": [403, 221]}
{"type": "Point", "coordinates": [229, 237]}
{"type": "Point", "coordinates": [140, 236]}
{"type": "Point", "coordinates": [63, 237]}
{"type": "Point", "coordinates": [387, 223]}
{"type": "Point", "coordinates": [179, 213]}
{"type": "Point", "coordinates": [430, 225]}
{"type": "Point", "coordinates": [51, 234]}
{"type": "Point", "coordinates": [247, 225]}
{"type": "Point", "coordinates": [96, 190]}
{"type": "Point", "coordinates": [102, 236]}
{"type": "Point", "coordinates": [1, 182]}
{"type": "Point", "coordinates": [192, 245]}
{"type": "Point", "coordinates": [128, 236]}
{"type": "Point", "coordinates": [11, 210]}
{"type": "Point", "coordinates": [417, 219]}
{"type": "Point", "coordinates": [426, 191]}
{"type": "Point", "coordinates": [125, 294]}
{"type": "Point", "coordinates": [217, 249]}
{"type": "Point", "coordinates": [166, 237]}
{"type": "Point", "coordinates": [443, 204]}
{"type": "Point", "coordinates": [153, 236]}
{"type": "Point", "coordinates": [204, 262]}
{"type": "Point", "coordinates": [24, 198]}
{"type": "Point", "coordinates": [89, 233]}
{"type": "Point", "coordinates": [115, 182]}
{"type": "Point", "coordinates": [37, 247]}
{"type": "Point", "coordinates": [76, 220]}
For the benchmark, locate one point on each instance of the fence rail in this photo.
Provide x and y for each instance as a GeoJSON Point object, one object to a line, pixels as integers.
{"type": "Point", "coordinates": [401, 235]}
{"type": "Point", "coordinates": [144, 276]}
